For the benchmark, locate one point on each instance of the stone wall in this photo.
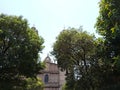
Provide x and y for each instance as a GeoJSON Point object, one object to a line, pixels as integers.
{"type": "Point", "coordinates": [56, 78]}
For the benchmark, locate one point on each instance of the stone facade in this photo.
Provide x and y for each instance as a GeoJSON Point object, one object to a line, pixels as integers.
{"type": "Point", "coordinates": [52, 77]}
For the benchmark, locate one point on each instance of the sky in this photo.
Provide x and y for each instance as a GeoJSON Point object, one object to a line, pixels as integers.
{"type": "Point", "coordinates": [50, 17]}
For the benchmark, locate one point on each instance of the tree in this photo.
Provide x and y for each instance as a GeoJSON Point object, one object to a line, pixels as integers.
{"type": "Point", "coordinates": [73, 50]}
{"type": "Point", "coordinates": [19, 48]}
{"type": "Point", "coordinates": [108, 25]}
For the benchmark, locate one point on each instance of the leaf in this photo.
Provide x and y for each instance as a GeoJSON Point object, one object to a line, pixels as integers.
{"type": "Point", "coordinates": [109, 14]}
{"type": "Point", "coordinates": [112, 29]}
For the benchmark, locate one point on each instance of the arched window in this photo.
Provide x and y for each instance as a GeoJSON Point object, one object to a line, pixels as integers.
{"type": "Point", "coordinates": [46, 78]}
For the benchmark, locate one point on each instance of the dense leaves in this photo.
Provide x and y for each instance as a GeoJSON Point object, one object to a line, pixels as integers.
{"type": "Point", "coordinates": [108, 25]}
{"type": "Point", "coordinates": [19, 48]}
{"type": "Point", "coordinates": [33, 84]}
{"type": "Point", "coordinates": [92, 64]}
{"type": "Point", "coordinates": [73, 50]}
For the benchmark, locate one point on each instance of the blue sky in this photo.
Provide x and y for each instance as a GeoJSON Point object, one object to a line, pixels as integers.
{"type": "Point", "coordinates": [51, 16]}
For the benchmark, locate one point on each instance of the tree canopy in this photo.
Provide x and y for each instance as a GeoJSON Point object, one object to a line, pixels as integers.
{"type": "Point", "coordinates": [73, 51]}
{"type": "Point", "coordinates": [108, 25]}
{"type": "Point", "coordinates": [19, 48]}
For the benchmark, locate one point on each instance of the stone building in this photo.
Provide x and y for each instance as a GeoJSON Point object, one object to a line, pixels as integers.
{"type": "Point", "coordinates": [52, 77]}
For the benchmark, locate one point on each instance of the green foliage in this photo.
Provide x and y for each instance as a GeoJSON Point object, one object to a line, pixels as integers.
{"type": "Point", "coordinates": [63, 87]}
{"type": "Point", "coordinates": [34, 84]}
{"type": "Point", "coordinates": [12, 84]}
{"type": "Point", "coordinates": [108, 25]}
{"type": "Point", "coordinates": [92, 64]}
{"type": "Point", "coordinates": [63, 48]}
{"type": "Point", "coordinates": [19, 48]}
{"type": "Point", "coordinates": [22, 84]}
{"type": "Point", "coordinates": [73, 50]}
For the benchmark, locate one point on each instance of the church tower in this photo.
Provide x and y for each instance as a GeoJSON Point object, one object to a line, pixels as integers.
{"type": "Point", "coordinates": [52, 77]}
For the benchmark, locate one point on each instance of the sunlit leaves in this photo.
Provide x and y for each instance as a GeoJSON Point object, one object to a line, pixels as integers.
{"type": "Point", "coordinates": [108, 25]}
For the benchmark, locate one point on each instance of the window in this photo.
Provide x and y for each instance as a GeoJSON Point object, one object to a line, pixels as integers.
{"type": "Point", "coordinates": [46, 78]}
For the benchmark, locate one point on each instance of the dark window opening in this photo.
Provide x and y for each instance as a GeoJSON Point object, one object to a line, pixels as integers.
{"type": "Point", "coordinates": [46, 78]}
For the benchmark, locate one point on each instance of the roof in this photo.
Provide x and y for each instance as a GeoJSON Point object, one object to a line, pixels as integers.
{"type": "Point", "coordinates": [47, 59]}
